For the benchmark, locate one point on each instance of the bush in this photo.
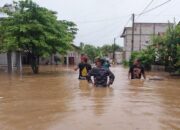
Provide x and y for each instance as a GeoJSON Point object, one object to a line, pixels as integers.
{"type": "Point", "coordinates": [146, 57]}
{"type": "Point", "coordinates": [125, 63]}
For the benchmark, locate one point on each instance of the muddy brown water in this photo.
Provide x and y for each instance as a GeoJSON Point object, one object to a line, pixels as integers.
{"type": "Point", "coordinates": [56, 100]}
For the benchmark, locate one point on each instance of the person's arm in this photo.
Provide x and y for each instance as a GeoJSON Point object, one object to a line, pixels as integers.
{"type": "Point", "coordinates": [88, 77]}
{"type": "Point", "coordinates": [129, 73]}
{"type": "Point", "coordinates": [77, 67]}
{"type": "Point", "coordinates": [111, 78]}
{"type": "Point", "coordinates": [90, 67]}
{"type": "Point", "coordinates": [143, 73]}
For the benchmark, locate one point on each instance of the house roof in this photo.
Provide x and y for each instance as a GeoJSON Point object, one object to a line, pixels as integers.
{"type": "Point", "coordinates": [124, 31]}
{"type": "Point", "coordinates": [75, 47]}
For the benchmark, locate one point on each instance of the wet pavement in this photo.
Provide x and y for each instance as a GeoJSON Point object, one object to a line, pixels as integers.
{"type": "Point", "coordinates": [56, 100]}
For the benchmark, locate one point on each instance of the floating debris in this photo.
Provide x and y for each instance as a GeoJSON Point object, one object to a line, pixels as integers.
{"type": "Point", "coordinates": [156, 78]}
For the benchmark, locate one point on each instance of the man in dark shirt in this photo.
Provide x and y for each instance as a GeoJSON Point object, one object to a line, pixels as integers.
{"type": "Point", "coordinates": [136, 70]}
{"type": "Point", "coordinates": [100, 75]}
{"type": "Point", "coordinates": [84, 68]}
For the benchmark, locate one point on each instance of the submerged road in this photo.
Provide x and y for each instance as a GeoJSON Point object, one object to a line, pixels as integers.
{"type": "Point", "coordinates": [56, 100]}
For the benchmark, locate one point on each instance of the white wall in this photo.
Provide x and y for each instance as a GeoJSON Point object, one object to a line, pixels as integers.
{"type": "Point", "coordinates": [3, 59]}
{"type": "Point", "coordinates": [119, 57]}
{"type": "Point", "coordinates": [142, 36]}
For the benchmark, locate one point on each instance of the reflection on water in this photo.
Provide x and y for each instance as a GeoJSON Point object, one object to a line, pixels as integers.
{"type": "Point", "coordinates": [56, 100]}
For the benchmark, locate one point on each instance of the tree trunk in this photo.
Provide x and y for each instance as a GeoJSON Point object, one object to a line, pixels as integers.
{"type": "Point", "coordinates": [18, 61]}
{"type": "Point", "coordinates": [9, 62]}
{"type": "Point", "coordinates": [35, 64]}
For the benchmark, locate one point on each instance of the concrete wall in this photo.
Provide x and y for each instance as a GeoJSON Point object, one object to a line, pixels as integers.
{"type": "Point", "coordinates": [70, 54]}
{"type": "Point", "coordinates": [119, 57]}
{"type": "Point", "coordinates": [143, 34]}
{"type": "Point", "coordinates": [3, 59]}
{"type": "Point", "coordinates": [76, 56]}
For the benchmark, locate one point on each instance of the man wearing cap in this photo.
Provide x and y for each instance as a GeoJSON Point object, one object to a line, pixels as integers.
{"type": "Point", "coordinates": [100, 75]}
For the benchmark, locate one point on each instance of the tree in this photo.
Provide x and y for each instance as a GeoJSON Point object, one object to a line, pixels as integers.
{"type": "Point", "coordinates": [146, 56]}
{"type": "Point", "coordinates": [35, 30]}
{"type": "Point", "coordinates": [106, 49]}
{"type": "Point", "coordinates": [164, 50]}
{"type": "Point", "coordinates": [167, 47]}
{"type": "Point", "coordinates": [90, 51]}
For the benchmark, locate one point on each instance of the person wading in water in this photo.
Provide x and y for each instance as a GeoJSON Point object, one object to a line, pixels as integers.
{"type": "Point", "coordinates": [84, 68]}
{"type": "Point", "coordinates": [136, 70]}
{"type": "Point", "coordinates": [100, 75]}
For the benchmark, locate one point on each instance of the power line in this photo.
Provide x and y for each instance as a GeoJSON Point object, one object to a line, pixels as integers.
{"type": "Point", "coordinates": [102, 20]}
{"type": "Point", "coordinates": [104, 28]}
{"type": "Point", "coordinates": [127, 21]}
{"type": "Point", "coordinates": [154, 8]}
{"type": "Point", "coordinates": [117, 36]}
{"type": "Point", "coordinates": [146, 7]}
{"type": "Point", "coordinates": [110, 26]}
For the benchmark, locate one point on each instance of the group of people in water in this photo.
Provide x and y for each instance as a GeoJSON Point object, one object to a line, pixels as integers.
{"type": "Point", "coordinates": [101, 72]}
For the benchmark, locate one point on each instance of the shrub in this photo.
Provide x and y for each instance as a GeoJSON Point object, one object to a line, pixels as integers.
{"type": "Point", "coordinates": [146, 57]}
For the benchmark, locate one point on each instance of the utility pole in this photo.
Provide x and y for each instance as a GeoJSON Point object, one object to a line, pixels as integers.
{"type": "Point", "coordinates": [132, 45]}
{"type": "Point", "coordinates": [114, 50]}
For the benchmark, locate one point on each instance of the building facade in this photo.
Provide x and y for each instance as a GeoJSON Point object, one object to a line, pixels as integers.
{"type": "Point", "coordinates": [71, 58]}
{"type": "Point", "coordinates": [143, 33]}
{"type": "Point", "coordinates": [118, 57]}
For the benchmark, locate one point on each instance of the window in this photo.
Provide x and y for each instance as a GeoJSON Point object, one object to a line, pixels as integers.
{"type": "Point", "coordinates": [146, 42]}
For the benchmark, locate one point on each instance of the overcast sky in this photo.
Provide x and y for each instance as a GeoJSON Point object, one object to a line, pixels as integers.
{"type": "Point", "coordinates": [99, 21]}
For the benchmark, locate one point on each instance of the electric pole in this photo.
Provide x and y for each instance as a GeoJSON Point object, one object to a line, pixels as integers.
{"type": "Point", "coordinates": [132, 45]}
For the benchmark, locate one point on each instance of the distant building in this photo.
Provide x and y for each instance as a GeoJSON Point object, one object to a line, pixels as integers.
{"type": "Point", "coordinates": [3, 59]}
{"type": "Point", "coordinates": [72, 57]}
{"type": "Point", "coordinates": [118, 57]}
{"type": "Point", "coordinates": [143, 33]}
{"type": "Point", "coordinates": [14, 57]}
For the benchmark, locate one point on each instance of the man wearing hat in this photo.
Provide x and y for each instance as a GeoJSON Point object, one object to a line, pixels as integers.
{"type": "Point", "coordinates": [100, 75]}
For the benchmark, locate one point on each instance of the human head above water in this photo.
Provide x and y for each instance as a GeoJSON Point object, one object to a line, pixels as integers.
{"type": "Point", "coordinates": [85, 59]}
{"type": "Point", "coordinates": [137, 61]}
{"type": "Point", "coordinates": [99, 62]}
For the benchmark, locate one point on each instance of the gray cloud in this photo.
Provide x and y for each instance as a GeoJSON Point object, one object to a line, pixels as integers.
{"type": "Point", "coordinates": [99, 21]}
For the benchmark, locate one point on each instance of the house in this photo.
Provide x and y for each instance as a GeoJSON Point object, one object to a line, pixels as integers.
{"type": "Point", "coordinates": [143, 33]}
{"type": "Point", "coordinates": [12, 59]}
{"type": "Point", "coordinates": [16, 60]}
{"type": "Point", "coordinates": [118, 57]}
{"type": "Point", "coordinates": [72, 57]}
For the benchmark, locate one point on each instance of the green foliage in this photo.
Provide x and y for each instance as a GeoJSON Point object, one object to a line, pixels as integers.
{"type": "Point", "coordinates": [167, 48]}
{"type": "Point", "coordinates": [35, 30]}
{"type": "Point", "coordinates": [146, 57]}
{"type": "Point", "coordinates": [106, 49]}
{"type": "Point", "coordinates": [177, 64]}
{"type": "Point", "coordinates": [125, 63]}
{"type": "Point", "coordinates": [164, 50]}
{"type": "Point", "coordinates": [91, 51]}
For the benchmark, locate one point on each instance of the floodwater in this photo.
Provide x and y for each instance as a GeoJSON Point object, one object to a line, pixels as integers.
{"type": "Point", "coordinates": [56, 100]}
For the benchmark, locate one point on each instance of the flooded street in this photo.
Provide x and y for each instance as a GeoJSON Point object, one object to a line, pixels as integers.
{"type": "Point", "coordinates": [56, 100]}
